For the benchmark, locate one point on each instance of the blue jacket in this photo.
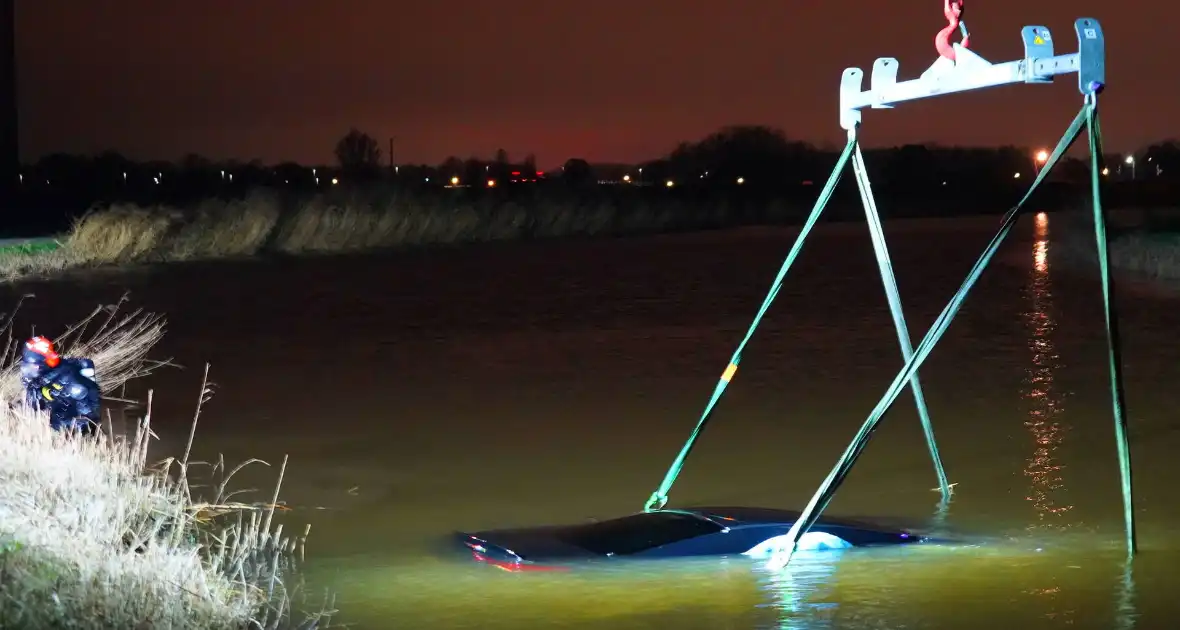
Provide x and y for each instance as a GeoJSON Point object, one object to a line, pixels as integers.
{"type": "Point", "coordinates": [71, 396]}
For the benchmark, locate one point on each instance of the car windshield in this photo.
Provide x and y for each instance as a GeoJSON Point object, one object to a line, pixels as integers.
{"type": "Point", "coordinates": [636, 533]}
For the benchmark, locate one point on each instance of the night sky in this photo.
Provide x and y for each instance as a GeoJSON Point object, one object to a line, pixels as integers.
{"type": "Point", "coordinates": [608, 80]}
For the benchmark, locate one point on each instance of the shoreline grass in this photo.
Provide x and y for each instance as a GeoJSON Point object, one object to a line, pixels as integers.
{"type": "Point", "coordinates": [91, 536]}
{"type": "Point", "coordinates": [269, 223]}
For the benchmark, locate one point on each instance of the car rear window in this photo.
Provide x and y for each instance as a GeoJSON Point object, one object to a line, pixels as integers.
{"type": "Point", "coordinates": [636, 533]}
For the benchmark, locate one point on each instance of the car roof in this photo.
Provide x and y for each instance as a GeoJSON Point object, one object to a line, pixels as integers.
{"type": "Point", "coordinates": [747, 515]}
{"type": "Point", "coordinates": [761, 515]}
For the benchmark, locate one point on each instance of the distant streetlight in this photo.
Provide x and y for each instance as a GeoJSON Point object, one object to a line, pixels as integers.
{"type": "Point", "coordinates": [627, 178]}
{"type": "Point", "coordinates": [1039, 160]}
{"type": "Point", "coordinates": [491, 183]}
{"type": "Point", "coordinates": [741, 180]}
{"type": "Point", "coordinates": [669, 183]}
{"type": "Point", "coordinates": [1016, 176]}
{"type": "Point", "coordinates": [455, 180]}
{"type": "Point", "coordinates": [335, 181]}
{"type": "Point", "coordinates": [1130, 161]}
{"type": "Point", "coordinates": [1106, 171]}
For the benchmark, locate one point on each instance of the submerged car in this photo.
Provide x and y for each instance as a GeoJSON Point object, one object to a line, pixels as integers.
{"type": "Point", "coordinates": [668, 533]}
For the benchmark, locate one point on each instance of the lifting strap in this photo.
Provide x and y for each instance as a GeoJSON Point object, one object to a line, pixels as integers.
{"type": "Point", "coordinates": [1113, 341]}
{"type": "Point", "coordinates": [659, 498]}
{"type": "Point", "coordinates": [1087, 117]}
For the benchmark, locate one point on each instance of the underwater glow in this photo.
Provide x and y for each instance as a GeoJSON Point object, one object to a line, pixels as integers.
{"type": "Point", "coordinates": [811, 541]}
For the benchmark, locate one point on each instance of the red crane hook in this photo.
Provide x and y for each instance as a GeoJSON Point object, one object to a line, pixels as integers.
{"type": "Point", "coordinates": [953, 10]}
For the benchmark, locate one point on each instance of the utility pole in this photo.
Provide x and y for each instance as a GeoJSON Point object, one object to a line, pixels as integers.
{"type": "Point", "coordinates": [9, 122]}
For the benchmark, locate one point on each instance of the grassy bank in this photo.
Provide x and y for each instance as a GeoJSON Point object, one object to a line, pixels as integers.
{"type": "Point", "coordinates": [92, 537]}
{"type": "Point", "coordinates": [269, 222]}
{"type": "Point", "coordinates": [265, 223]}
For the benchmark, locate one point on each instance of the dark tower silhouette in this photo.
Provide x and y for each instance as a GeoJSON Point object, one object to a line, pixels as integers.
{"type": "Point", "coordinates": [9, 125]}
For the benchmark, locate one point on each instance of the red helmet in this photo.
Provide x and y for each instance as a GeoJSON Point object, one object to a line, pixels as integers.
{"type": "Point", "coordinates": [43, 347]}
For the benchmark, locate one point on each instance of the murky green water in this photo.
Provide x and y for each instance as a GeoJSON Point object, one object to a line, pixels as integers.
{"type": "Point", "coordinates": [421, 393]}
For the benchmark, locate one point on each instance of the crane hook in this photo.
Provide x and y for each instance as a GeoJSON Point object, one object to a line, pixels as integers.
{"type": "Point", "coordinates": [953, 10]}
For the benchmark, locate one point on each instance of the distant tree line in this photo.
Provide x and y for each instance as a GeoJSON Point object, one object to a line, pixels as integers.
{"type": "Point", "coordinates": [760, 161]}
{"type": "Point", "coordinates": [756, 154]}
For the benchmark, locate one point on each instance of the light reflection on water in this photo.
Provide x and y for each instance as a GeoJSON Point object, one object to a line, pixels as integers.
{"type": "Point", "coordinates": [920, 588]}
{"type": "Point", "coordinates": [1043, 468]}
{"type": "Point", "coordinates": [567, 442]}
{"type": "Point", "coordinates": [803, 596]}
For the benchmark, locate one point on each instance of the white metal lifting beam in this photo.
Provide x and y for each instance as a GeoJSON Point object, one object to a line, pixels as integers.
{"type": "Point", "coordinates": [969, 72]}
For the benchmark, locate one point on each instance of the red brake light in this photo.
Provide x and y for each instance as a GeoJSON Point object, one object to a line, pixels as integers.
{"type": "Point", "coordinates": [514, 567]}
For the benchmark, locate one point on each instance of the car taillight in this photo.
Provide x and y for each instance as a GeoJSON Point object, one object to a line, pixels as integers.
{"type": "Point", "coordinates": [514, 567]}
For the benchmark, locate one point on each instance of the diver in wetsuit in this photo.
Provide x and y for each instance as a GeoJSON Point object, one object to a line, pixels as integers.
{"type": "Point", "coordinates": [65, 387]}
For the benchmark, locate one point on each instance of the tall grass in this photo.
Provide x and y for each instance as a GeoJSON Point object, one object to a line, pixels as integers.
{"type": "Point", "coordinates": [265, 222]}
{"type": "Point", "coordinates": [91, 536]}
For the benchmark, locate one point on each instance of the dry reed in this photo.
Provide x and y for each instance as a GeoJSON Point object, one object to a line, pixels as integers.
{"type": "Point", "coordinates": [216, 229]}
{"type": "Point", "coordinates": [92, 537]}
{"type": "Point", "coordinates": [324, 224]}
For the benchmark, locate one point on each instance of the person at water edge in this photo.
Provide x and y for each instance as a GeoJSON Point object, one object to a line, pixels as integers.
{"type": "Point", "coordinates": [64, 386]}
